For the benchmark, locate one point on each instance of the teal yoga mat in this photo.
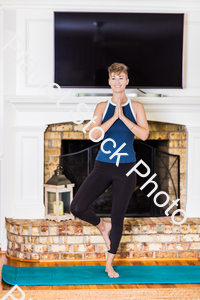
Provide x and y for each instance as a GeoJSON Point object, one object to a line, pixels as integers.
{"type": "Point", "coordinates": [97, 275]}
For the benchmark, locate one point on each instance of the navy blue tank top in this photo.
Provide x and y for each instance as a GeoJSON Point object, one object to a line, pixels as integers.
{"type": "Point", "coordinates": [120, 133]}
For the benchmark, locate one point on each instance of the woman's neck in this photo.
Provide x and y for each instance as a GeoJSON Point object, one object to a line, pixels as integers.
{"type": "Point", "coordinates": [122, 97]}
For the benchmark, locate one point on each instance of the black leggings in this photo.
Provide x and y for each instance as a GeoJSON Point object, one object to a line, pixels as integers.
{"type": "Point", "coordinates": [102, 176]}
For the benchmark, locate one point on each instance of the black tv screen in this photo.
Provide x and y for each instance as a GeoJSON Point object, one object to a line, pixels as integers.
{"type": "Point", "coordinates": [87, 43]}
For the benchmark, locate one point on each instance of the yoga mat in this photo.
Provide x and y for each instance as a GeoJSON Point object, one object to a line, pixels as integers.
{"type": "Point", "coordinates": [97, 275]}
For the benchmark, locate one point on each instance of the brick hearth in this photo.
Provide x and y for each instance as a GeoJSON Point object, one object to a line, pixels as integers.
{"type": "Point", "coordinates": [76, 239]}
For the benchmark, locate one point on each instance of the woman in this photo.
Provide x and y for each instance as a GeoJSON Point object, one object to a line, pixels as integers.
{"type": "Point", "coordinates": [121, 119]}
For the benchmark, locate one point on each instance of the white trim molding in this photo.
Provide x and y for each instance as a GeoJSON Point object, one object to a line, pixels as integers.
{"type": "Point", "coordinates": [105, 5]}
{"type": "Point", "coordinates": [177, 110]}
{"type": "Point", "coordinates": [193, 169]}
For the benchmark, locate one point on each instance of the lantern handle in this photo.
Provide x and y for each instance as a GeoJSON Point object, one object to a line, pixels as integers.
{"type": "Point", "coordinates": [59, 170]}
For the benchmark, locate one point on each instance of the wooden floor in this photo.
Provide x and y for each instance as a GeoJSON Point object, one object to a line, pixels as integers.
{"type": "Point", "coordinates": [5, 286]}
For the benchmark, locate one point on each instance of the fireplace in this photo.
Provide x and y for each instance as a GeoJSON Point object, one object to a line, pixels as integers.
{"type": "Point", "coordinates": [78, 157]}
{"type": "Point", "coordinates": [163, 152]}
{"type": "Point", "coordinates": [33, 148]}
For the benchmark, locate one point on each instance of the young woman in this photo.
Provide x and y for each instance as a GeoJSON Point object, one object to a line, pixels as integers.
{"type": "Point", "coordinates": [121, 119]}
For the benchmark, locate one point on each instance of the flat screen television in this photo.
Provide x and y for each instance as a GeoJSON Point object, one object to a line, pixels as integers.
{"type": "Point", "coordinates": [87, 43]}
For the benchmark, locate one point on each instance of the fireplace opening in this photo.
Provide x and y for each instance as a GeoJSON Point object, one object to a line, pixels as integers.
{"type": "Point", "coordinates": [78, 157]}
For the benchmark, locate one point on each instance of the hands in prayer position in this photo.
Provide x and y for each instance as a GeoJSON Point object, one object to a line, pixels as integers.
{"type": "Point", "coordinates": [118, 114]}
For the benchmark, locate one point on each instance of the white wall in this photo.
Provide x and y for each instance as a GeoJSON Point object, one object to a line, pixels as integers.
{"type": "Point", "coordinates": [31, 27]}
{"type": "Point", "coordinates": [1, 124]}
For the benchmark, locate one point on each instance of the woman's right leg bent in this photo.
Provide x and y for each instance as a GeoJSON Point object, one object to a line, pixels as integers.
{"type": "Point", "coordinates": [93, 186]}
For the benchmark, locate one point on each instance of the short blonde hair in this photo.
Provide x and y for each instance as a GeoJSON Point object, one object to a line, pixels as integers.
{"type": "Point", "coordinates": [118, 68]}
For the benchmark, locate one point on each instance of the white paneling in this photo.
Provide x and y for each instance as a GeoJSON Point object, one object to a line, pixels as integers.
{"type": "Point", "coordinates": [1, 197]}
{"type": "Point", "coordinates": [39, 36]}
{"type": "Point", "coordinates": [35, 61]}
{"type": "Point", "coordinates": [30, 165]}
{"type": "Point", "coordinates": [3, 233]}
{"type": "Point", "coordinates": [193, 167]}
{"type": "Point", "coordinates": [9, 52]}
{"type": "Point", "coordinates": [29, 211]}
{"type": "Point", "coordinates": [196, 167]}
{"type": "Point", "coordinates": [29, 172]}
{"type": "Point", "coordinates": [193, 50]}
{"type": "Point", "coordinates": [1, 126]}
{"type": "Point", "coordinates": [1, 84]}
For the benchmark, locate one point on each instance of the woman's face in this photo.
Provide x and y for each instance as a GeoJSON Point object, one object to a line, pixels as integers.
{"type": "Point", "coordinates": [118, 82]}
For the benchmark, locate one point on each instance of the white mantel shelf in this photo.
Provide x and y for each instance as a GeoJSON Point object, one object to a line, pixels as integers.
{"type": "Point", "coordinates": [158, 104]}
{"type": "Point", "coordinates": [44, 110]}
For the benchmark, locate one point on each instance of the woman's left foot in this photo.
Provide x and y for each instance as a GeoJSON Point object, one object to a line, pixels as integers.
{"type": "Point", "coordinates": [105, 233]}
{"type": "Point", "coordinates": [105, 228]}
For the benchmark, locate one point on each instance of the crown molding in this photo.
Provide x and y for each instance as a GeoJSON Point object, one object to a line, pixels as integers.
{"type": "Point", "coordinates": [105, 5]}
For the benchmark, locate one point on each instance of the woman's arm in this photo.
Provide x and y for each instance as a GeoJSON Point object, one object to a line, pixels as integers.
{"type": "Point", "coordinates": [99, 110]}
{"type": "Point", "coordinates": [141, 130]}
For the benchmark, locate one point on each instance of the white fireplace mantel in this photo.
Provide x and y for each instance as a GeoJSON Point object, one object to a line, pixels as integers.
{"type": "Point", "coordinates": [26, 121]}
{"type": "Point", "coordinates": [24, 103]}
{"type": "Point", "coordinates": [178, 110]}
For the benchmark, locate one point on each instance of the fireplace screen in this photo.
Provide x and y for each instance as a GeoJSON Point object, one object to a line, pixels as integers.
{"type": "Point", "coordinates": [78, 164]}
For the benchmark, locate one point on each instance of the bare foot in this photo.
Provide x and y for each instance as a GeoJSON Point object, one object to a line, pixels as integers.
{"type": "Point", "coordinates": [105, 228]}
{"type": "Point", "coordinates": [111, 272]}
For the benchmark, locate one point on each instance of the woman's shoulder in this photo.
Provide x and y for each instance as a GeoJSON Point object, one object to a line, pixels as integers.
{"type": "Point", "coordinates": [137, 106]}
{"type": "Point", "coordinates": [102, 105]}
{"type": "Point", "coordinates": [136, 103]}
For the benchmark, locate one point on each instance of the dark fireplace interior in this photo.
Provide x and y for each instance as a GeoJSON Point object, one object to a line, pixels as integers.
{"type": "Point", "coordinates": [78, 157]}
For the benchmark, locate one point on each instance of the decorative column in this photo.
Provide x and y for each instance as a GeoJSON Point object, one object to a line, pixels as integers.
{"type": "Point", "coordinates": [29, 172]}
{"type": "Point", "coordinates": [193, 171]}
